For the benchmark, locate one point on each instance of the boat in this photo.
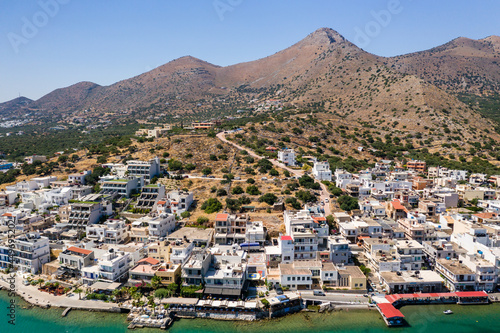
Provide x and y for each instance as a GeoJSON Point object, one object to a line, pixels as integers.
{"type": "Point", "coordinates": [448, 312]}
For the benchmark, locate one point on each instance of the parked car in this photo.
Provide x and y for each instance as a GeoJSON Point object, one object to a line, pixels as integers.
{"type": "Point", "coordinates": [279, 290]}
{"type": "Point", "coordinates": [318, 293]}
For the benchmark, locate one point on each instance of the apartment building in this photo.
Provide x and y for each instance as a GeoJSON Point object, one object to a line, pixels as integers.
{"type": "Point", "coordinates": [321, 171]}
{"type": "Point", "coordinates": [287, 157]}
{"type": "Point", "coordinates": [418, 166]}
{"type": "Point", "coordinates": [150, 195]}
{"type": "Point", "coordinates": [179, 201]}
{"type": "Point", "coordinates": [230, 228]}
{"type": "Point", "coordinates": [73, 259]}
{"type": "Point", "coordinates": [196, 267]}
{"type": "Point", "coordinates": [113, 231]}
{"type": "Point", "coordinates": [31, 252]}
{"type": "Point", "coordinates": [122, 186]}
{"type": "Point", "coordinates": [146, 169]}
{"type": "Point", "coordinates": [111, 267]}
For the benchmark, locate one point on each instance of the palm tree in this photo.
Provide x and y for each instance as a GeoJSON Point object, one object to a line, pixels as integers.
{"type": "Point", "coordinates": [151, 303]}
{"type": "Point", "coordinates": [79, 291]}
{"type": "Point", "coordinates": [40, 281]}
{"type": "Point", "coordinates": [155, 282]}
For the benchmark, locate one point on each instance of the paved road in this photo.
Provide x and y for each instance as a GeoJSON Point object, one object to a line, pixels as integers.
{"type": "Point", "coordinates": [298, 173]}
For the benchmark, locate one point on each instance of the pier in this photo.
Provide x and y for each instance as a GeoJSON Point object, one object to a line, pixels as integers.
{"type": "Point", "coordinates": [393, 317]}
{"type": "Point", "coordinates": [65, 312]}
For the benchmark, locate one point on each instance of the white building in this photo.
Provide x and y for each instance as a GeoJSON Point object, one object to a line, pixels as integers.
{"type": "Point", "coordinates": [180, 201]}
{"type": "Point", "coordinates": [31, 252]}
{"type": "Point", "coordinates": [111, 232]}
{"type": "Point", "coordinates": [159, 226]}
{"type": "Point", "coordinates": [321, 171]}
{"type": "Point", "coordinates": [110, 267]}
{"type": "Point", "coordinates": [287, 157]}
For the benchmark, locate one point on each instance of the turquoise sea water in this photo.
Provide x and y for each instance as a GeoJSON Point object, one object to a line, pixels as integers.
{"type": "Point", "coordinates": [421, 318]}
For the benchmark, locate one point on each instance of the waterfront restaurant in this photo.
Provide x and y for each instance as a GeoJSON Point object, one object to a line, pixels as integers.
{"type": "Point", "coordinates": [391, 315]}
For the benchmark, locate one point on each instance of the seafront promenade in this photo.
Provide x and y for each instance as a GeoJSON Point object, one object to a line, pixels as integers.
{"type": "Point", "coordinates": [32, 295]}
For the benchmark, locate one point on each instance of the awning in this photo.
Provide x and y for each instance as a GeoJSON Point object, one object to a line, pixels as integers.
{"type": "Point", "coordinates": [101, 285]}
{"type": "Point", "coordinates": [222, 291]}
{"type": "Point", "coordinates": [389, 311]}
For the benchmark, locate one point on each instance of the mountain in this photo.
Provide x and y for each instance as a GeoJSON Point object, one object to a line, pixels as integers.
{"type": "Point", "coordinates": [462, 65]}
{"type": "Point", "coordinates": [14, 106]}
{"type": "Point", "coordinates": [323, 71]}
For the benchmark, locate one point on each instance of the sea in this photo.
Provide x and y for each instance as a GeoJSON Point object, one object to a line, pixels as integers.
{"type": "Point", "coordinates": [420, 318]}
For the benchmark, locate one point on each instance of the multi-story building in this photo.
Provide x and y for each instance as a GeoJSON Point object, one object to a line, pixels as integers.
{"type": "Point", "coordinates": [147, 169]}
{"type": "Point", "coordinates": [150, 195]}
{"type": "Point", "coordinates": [418, 166]}
{"type": "Point", "coordinates": [255, 232]}
{"type": "Point", "coordinates": [122, 186]}
{"type": "Point", "coordinates": [338, 249]}
{"type": "Point", "coordinates": [287, 157]}
{"type": "Point", "coordinates": [73, 259]}
{"type": "Point", "coordinates": [31, 252]}
{"type": "Point", "coordinates": [180, 201]}
{"type": "Point", "coordinates": [230, 228]}
{"type": "Point", "coordinates": [111, 266]}
{"type": "Point", "coordinates": [321, 171]}
{"type": "Point", "coordinates": [457, 276]}
{"type": "Point", "coordinates": [309, 233]}
{"type": "Point", "coordinates": [84, 213]}
{"type": "Point", "coordinates": [410, 254]}
{"type": "Point", "coordinates": [227, 274]}
{"type": "Point", "coordinates": [113, 231]}
{"type": "Point", "coordinates": [196, 267]}
{"type": "Point", "coordinates": [159, 226]}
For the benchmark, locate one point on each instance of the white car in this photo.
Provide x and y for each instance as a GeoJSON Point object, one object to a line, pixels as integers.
{"type": "Point", "coordinates": [326, 200]}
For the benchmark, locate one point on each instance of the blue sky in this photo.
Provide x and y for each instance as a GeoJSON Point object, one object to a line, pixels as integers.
{"type": "Point", "coordinates": [107, 41]}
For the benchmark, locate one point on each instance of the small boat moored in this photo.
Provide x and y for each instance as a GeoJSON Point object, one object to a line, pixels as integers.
{"type": "Point", "coordinates": [448, 312]}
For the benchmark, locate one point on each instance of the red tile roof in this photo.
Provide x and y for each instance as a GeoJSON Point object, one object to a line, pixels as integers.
{"type": "Point", "coordinates": [389, 311]}
{"type": "Point", "coordinates": [79, 250]}
{"type": "Point", "coordinates": [161, 202]}
{"type": "Point", "coordinates": [151, 261]}
{"type": "Point", "coordinates": [286, 238]}
{"type": "Point", "coordinates": [221, 217]}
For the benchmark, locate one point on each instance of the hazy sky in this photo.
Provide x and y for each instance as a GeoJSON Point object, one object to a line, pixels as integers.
{"type": "Point", "coordinates": [49, 44]}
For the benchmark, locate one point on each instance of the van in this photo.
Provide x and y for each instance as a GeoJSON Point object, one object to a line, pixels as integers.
{"type": "Point", "coordinates": [318, 293]}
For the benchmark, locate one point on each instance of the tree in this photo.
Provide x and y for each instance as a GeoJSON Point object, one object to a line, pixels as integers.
{"type": "Point", "coordinates": [212, 205]}
{"type": "Point", "coordinates": [221, 192]}
{"type": "Point", "coordinates": [305, 196]}
{"type": "Point", "coordinates": [102, 159]}
{"type": "Point", "coordinates": [185, 214]}
{"type": "Point", "coordinates": [155, 282]}
{"type": "Point", "coordinates": [293, 202]}
{"type": "Point", "coordinates": [78, 291]}
{"type": "Point", "coordinates": [162, 293]}
{"type": "Point", "coordinates": [62, 158]}
{"type": "Point", "coordinates": [347, 203]}
{"type": "Point", "coordinates": [74, 158]}
{"type": "Point", "coordinates": [233, 204]}
{"type": "Point", "coordinates": [237, 190]}
{"type": "Point", "coordinates": [273, 172]}
{"type": "Point", "coordinates": [308, 182]}
{"type": "Point", "coordinates": [269, 198]}
{"type": "Point", "coordinates": [211, 134]}
{"type": "Point", "coordinates": [251, 181]}
{"type": "Point", "coordinates": [201, 220]}
{"type": "Point", "coordinates": [253, 190]}
{"type": "Point", "coordinates": [286, 173]}
{"type": "Point", "coordinates": [174, 165]}
{"type": "Point", "coordinates": [206, 171]}
{"type": "Point", "coordinates": [212, 157]}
